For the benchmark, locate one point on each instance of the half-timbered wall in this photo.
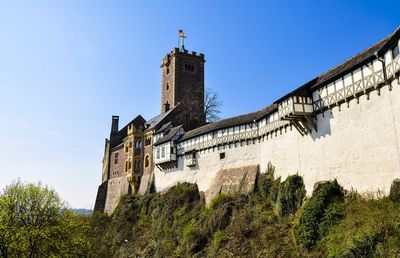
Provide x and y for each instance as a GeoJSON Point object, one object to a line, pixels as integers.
{"type": "Point", "coordinates": [357, 138]}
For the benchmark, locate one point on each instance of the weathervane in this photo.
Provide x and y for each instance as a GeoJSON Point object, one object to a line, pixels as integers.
{"type": "Point", "coordinates": [181, 41]}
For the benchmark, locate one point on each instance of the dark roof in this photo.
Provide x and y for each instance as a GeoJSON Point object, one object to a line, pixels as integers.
{"type": "Point", "coordinates": [168, 136]}
{"type": "Point", "coordinates": [230, 122]}
{"type": "Point", "coordinates": [358, 59]}
{"type": "Point", "coordinates": [163, 127]}
{"type": "Point", "coordinates": [352, 63]}
{"type": "Point", "coordinates": [117, 138]}
{"type": "Point", "coordinates": [152, 122]}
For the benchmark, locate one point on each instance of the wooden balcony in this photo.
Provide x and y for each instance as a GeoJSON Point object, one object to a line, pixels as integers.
{"type": "Point", "coordinates": [300, 112]}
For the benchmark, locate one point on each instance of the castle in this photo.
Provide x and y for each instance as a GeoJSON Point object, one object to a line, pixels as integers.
{"type": "Point", "coordinates": [343, 124]}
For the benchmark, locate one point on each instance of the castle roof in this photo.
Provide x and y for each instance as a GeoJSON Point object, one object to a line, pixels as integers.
{"type": "Point", "coordinates": [171, 133]}
{"type": "Point", "coordinates": [230, 122]}
{"type": "Point", "coordinates": [117, 139]}
{"type": "Point", "coordinates": [157, 121]}
{"type": "Point", "coordinates": [352, 63]}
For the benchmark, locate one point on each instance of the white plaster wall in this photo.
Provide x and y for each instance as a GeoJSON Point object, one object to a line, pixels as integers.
{"type": "Point", "coordinates": [358, 145]}
{"type": "Point", "coordinates": [208, 164]}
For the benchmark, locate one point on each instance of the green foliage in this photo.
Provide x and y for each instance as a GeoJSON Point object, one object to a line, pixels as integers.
{"type": "Point", "coordinates": [218, 237]}
{"type": "Point", "coordinates": [395, 191]}
{"type": "Point", "coordinates": [290, 195]}
{"type": "Point", "coordinates": [267, 185]}
{"type": "Point", "coordinates": [317, 216]}
{"type": "Point", "coordinates": [179, 224]}
{"type": "Point", "coordinates": [370, 228]}
{"type": "Point", "coordinates": [35, 222]}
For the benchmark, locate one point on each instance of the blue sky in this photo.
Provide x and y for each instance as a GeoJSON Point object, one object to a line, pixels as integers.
{"type": "Point", "coordinates": [67, 66]}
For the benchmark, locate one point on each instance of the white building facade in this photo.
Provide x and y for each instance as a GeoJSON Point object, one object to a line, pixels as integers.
{"type": "Point", "coordinates": [344, 124]}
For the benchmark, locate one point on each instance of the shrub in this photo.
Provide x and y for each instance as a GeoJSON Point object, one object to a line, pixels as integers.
{"type": "Point", "coordinates": [218, 237]}
{"type": "Point", "coordinates": [395, 190]}
{"type": "Point", "coordinates": [267, 185]}
{"type": "Point", "coordinates": [317, 216]}
{"type": "Point", "coordinates": [290, 195]}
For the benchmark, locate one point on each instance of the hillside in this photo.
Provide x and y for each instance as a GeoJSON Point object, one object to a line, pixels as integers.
{"type": "Point", "coordinates": [271, 222]}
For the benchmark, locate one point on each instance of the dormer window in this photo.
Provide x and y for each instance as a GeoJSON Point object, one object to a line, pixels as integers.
{"type": "Point", "coordinates": [395, 51]}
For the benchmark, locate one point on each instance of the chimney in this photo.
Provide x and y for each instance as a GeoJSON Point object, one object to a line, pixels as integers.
{"type": "Point", "coordinates": [114, 125]}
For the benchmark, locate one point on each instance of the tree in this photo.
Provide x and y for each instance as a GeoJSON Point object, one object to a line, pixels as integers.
{"type": "Point", "coordinates": [212, 105]}
{"type": "Point", "coordinates": [35, 222]}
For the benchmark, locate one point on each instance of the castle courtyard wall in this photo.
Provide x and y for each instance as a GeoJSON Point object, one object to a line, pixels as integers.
{"type": "Point", "coordinates": [356, 143]}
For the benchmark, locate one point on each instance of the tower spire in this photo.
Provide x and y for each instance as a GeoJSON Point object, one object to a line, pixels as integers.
{"type": "Point", "coordinates": [181, 40]}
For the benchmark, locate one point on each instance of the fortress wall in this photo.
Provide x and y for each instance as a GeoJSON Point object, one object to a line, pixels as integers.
{"type": "Point", "coordinates": [117, 187]}
{"type": "Point", "coordinates": [208, 165]}
{"type": "Point", "coordinates": [357, 145]}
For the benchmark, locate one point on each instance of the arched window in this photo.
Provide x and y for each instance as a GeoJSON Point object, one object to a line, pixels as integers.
{"type": "Point", "coordinates": [167, 87]}
{"type": "Point", "coordinates": [147, 161]}
{"type": "Point", "coordinates": [137, 165]}
{"type": "Point", "coordinates": [129, 164]}
{"type": "Point", "coordinates": [148, 140]}
{"type": "Point", "coordinates": [126, 166]}
{"type": "Point", "coordinates": [138, 143]}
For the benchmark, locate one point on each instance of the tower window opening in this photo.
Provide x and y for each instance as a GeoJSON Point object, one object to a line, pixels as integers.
{"type": "Point", "coordinates": [166, 106]}
{"type": "Point", "coordinates": [395, 51]}
{"type": "Point", "coordinates": [116, 158]}
{"type": "Point", "coordinates": [167, 70]}
{"type": "Point", "coordinates": [189, 68]}
{"type": "Point", "coordinates": [167, 87]}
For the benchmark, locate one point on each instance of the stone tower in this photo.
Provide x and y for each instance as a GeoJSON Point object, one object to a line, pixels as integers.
{"type": "Point", "coordinates": [183, 82]}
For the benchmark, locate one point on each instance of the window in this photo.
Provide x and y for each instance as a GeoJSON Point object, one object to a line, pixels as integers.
{"type": "Point", "coordinates": [126, 149]}
{"type": "Point", "coordinates": [172, 150]}
{"type": "Point", "coordinates": [148, 140]}
{"type": "Point", "coordinates": [158, 153]}
{"type": "Point", "coordinates": [116, 158]}
{"type": "Point", "coordinates": [162, 152]}
{"type": "Point", "coordinates": [147, 161]}
{"type": "Point", "coordinates": [138, 143]}
{"type": "Point", "coordinates": [167, 70]}
{"type": "Point", "coordinates": [167, 87]}
{"type": "Point", "coordinates": [166, 105]}
{"type": "Point", "coordinates": [189, 68]}
{"type": "Point", "coordinates": [395, 51]}
{"type": "Point", "coordinates": [130, 145]}
{"type": "Point", "coordinates": [222, 155]}
{"type": "Point", "coordinates": [137, 165]}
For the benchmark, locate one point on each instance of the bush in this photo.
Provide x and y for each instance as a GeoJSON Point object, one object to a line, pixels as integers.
{"type": "Point", "coordinates": [395, 190]}
{"type": "Point", "coordinates": [317, 216]}
{"type": "Point", "coordinates": [290, 196]}
{"type": "Point", "coordinates": [267, 185]}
